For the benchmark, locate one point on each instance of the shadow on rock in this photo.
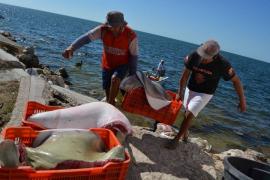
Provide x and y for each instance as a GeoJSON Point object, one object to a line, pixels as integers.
{"type": "Point", "coordinates": [151, 160]}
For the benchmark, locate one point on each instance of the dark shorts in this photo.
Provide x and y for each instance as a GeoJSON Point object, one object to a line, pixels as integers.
{"type": "Point", "coordinates": [119, 72]}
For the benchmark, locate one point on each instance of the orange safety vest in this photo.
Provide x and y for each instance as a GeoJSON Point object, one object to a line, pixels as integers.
{"type": "Point", "coordinates": [116, 49]}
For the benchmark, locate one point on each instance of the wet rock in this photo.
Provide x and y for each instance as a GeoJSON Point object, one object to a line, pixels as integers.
{"type": "Point", "coordinates": [12, 39]}
{"type": "Point", "coordinates": [30, 61]}
{"type": "Point", "coordinates": [9, 45]}
{"type": "Point", "coordinates": [57, 80]}
{"type": "Point", "coordinates": [66, 86]}
{"type": "Point", "coordinates": [34, 71]}
{"type": "Point", "coordinates": [43, 66]}
{"type": "Point", "coordinates": [6, 34]}
{"type": "Point", "coordinates": [29, 50]}
{"type": "Point", "coordinates": [248, 154]}
{"type": "Point", "coordinates": [231, 152]}
{"type": "Point", "coordinates": [93, 92]}
{"type": "Point", "coordinates": [62, 72]}
{"type": "Point", "coordinates": [39, 70]}
{"type": "Point", "coordinates": [29, 58]}
{"type": "Point", "coordinates": [20, 39]}
{"type": "Point", "coordinates": [68, 83]}
{"type": "Point", "coordinates": [54, 102]}
{"type": "Point", "coordinates": [60, 99]}
{"type": "Point", "coordinates": [79, 64]}
{"type": "Point", "coordinates": [73, 96]}
{"type": "Point", "coordinates": [255, 155]}
{"type": "Point", "coordinates": [47, 71]}
{"type": "Point", "coordinates": [10, 65]}
{"type": "Point", "coordinates": [8, 61]}
{"type": "Point", "coordinates": [202, 143]}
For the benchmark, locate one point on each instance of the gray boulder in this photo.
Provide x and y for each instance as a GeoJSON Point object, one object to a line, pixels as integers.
{"type": "Point", "coordinates": [8, 61]}
{"type": "Point", "coordinates": [29, 60]}
{"type": "Point", "coordinates": [34, 71]}
{"type": "Point", "coordinates": [62, 72]}
{"type": "Point", "coordinates": [29, 50]}
{"type": "Point", "coordinates": [10, 45]}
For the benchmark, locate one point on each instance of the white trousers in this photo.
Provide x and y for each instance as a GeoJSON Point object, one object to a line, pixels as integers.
{"type": "Point", "coordinates": [195, 102]}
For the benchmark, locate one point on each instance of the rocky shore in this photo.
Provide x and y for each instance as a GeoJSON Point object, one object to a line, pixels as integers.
{"type": "Point", "coordinates": [24, 79]}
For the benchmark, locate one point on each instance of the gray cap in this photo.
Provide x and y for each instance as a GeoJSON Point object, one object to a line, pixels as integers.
{"type": "Point", "coordinates": [115, 18]}
{"type": "Point", "coordinates": [209, 49]}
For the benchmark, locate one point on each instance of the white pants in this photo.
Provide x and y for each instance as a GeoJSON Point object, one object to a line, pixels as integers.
{"type": "Point", "coordinates": [195, 102]}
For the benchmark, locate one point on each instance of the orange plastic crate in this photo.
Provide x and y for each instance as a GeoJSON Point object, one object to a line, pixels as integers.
{"type": "Point", "coordinates": [110, 171]}
{"type": "Point", "coordinates": [135, 102]}
{"type": "Point", "coordinates": [33, 107]}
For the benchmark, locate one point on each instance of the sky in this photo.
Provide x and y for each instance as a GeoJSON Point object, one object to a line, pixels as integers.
{"type": "Point", "coordinates": [240, 26]}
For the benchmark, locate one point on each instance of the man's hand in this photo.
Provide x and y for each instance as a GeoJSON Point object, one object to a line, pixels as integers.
{"type": "Point", "coordinates": [179, 97]}
{"type": "Point", "coordinates": [68, 53]}
{"type": "Point", "coordinates": [240, 91]}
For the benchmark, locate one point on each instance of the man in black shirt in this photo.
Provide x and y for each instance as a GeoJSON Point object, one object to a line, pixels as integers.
{"type": "Point", "coordinates": [203, 68]}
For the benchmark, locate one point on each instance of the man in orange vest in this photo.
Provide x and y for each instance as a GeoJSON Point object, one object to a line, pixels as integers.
{"type": "Point", "coordinates": [120, 51]}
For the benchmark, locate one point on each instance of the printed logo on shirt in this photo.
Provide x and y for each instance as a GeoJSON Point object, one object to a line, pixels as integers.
{"type": "Point", "coordinates": [115, 51]}
{"type": "Point", "coordinates": [199, 78]}
{"type": "Point", "coordinates": [202, 70]}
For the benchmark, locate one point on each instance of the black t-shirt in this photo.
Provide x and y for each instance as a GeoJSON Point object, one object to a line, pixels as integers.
{"type": "Point", "coordinates": [205, 76]}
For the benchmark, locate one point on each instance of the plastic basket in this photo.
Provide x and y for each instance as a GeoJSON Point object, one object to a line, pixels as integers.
{"type": "Point", "coordinates": [135, 101]}
{"type": "Point", "coordinates": [110, 171]}
{"type": "Point", "coordinates": [33, 107]}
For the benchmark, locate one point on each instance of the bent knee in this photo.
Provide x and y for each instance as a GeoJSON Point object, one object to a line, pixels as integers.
{"type": "Point", "coordinates": [189, 114]}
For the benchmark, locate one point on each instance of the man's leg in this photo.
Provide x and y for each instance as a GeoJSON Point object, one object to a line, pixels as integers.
{"type": "Point", "coordinates": [118, 74]}
{"type": "Point", "coordinates": [193, 102]}
{"type": "Point", "coordinates": [185, 126]}
{"type": "Point", "coordinates": [115, 83]}
{"type": "Point", "coordinates": [107, 91]}
{"type": "Point", "coordinates": [183, 131]}
{"type": "Point", "coordinates": [106, 82]}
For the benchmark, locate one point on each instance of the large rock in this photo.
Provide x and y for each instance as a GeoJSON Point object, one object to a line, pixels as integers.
{"type": "Point", "coordinates": [75, 97]}
{"type": "Point", "coordinates": [29, 50]}
{"type": "Point", "coordinates": [10, 45]}
{"type": "Point", "coordinates": [57, 80]}
{"type": "Point", "coordinates": [34, 71]}
{"type": "Point", "coordinates": [62, 72]}
{"type": "Point", "coordinates": [150, 160]}
{"type": "Point", "coordinates": [12, 75]}
{"type": "Point", "coordinates": [8, 35]}
{"type": "Point", "coordinates": [8, 61]}
{"type": "Point", "coordinates": [5, 33]}
{"type": "Point", "coordinates": [248, 154]}
{"type": "Point", "coordinates": [202, 143]}
{"type": "Point", "coordinates": [30, 60]}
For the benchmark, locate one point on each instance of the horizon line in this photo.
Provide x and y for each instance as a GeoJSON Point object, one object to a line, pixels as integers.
{"type": "Point", "coordinates": [253, 58]}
